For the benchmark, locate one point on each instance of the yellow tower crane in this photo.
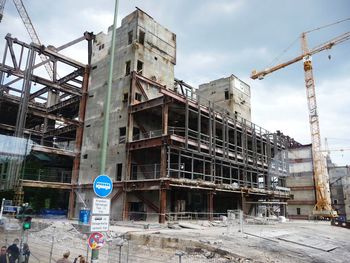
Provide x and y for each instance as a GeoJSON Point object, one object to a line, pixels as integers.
{"type": "Point", "coordinates": [323, 206]}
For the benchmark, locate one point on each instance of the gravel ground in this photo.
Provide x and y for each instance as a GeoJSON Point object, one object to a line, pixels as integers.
{"type": "Point", "coordinates": [297, 241]}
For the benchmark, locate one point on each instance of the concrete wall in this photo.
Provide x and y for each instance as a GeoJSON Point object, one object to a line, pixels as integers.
{"type": "Point", "coordinates": [346, 190]}
{"type": "Point", "coordinates": [158, 55]}
{"type": "Point", "coordinates": [238, 100]}
{"type": "Point", "coordinates": [301, 183]}
{"type": "Point", "coordinates": [339, 177]}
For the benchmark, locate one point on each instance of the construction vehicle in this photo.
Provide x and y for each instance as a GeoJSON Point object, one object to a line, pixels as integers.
{"type": "Point", "coordinates": [323, 206]}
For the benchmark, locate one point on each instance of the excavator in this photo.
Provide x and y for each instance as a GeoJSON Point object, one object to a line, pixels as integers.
{"type": "Point", "coordinates": [323, 207]}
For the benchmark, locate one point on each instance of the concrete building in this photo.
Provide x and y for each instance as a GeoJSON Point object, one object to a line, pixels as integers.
{"type": "Point", "coordinates": [339, 177]}
{"type": "Point", "coordinates": [301, 183]}
{"type": "Point", "coordinates": [171, 152]}
{"type": "Point", "coordinates": [230, 93]}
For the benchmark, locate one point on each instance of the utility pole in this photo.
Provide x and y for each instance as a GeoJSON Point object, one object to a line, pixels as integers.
{"type": "Point", "coordinates": [107, 102]}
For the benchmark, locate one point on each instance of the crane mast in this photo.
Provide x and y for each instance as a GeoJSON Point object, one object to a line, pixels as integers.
{"type": "Point", "coordinates": [2, 6]}
{"type": "Point", "coordinates": [323, 201]}
{"type": "Point", "coordinates": [323, 197]}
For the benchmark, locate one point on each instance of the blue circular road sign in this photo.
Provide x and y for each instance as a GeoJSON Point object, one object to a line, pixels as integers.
{"type": "Point", "coordinates": [103, 185]}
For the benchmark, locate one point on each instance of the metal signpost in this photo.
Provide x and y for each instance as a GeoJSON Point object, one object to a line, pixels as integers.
{"type": "Point", "coordinates": [96, 240]}
{"type": "Point", "coordinates": [103, 187]}
{"type": "Point", "coordinates": [100, 188]}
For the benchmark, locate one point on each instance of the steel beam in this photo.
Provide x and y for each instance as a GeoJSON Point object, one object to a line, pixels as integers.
{"type": "Point", "coordinates": [162, 205]}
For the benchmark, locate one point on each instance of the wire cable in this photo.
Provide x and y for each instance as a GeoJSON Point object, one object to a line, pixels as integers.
{"type": "Point", "coordinates": [328, 25]}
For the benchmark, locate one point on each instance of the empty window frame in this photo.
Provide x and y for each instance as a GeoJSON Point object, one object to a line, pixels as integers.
{"type": "Point", "coordinates": [127, 68]}
{"type": "Point", "coordinates": [141, 37]}
{"type": "Point", "coordinates": [298, 211]}
{"type": "Point", "coordinates": [119, 171]}
{"type": "Point", "coordinates": [122, 134]}
{"type": "Point", "coordinates": [130, 37]}
{"type": "Point", "coordinates": [136, 133]}
{"type": "Point", "coordinates": [138, 96]}
{"type": "Point", "coordinates": [125, 97]}
{"type": "Point", "coordinates": [227, 95]}
{"type": "Point", "coordinates": [139, 66]}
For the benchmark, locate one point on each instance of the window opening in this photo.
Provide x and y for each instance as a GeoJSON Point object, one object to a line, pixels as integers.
{"type": "Point", "coordinates": [130, 37]}
{"type": "Point", "coordinates": [127, 68]}
{"type": "Point", "coordinates": [119, 172]}
{"type": "Point", "coordinates": [122, 134]}
{"type": "Point", "coordinates": [125, 97]}
{"type": "Point", "coordinates": [141, 37]}
{"type": "Point", "coordinates": [139, 67]}
{"type": "Point", "coordinates": [138, 96]}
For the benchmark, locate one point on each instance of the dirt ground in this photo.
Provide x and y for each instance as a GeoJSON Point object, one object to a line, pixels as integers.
{"type": "Point", "coordinates": [202, 241]}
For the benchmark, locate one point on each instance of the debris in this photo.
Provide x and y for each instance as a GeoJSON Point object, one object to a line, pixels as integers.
{"type": "Point", "coordinates": [189, 226]}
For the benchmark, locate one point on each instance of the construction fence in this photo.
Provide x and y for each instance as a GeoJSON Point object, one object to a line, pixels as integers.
{"type": "Point", "coordinates": [49, 239]}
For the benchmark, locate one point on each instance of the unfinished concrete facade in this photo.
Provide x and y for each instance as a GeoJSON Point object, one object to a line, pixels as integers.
{"type": "Point", "coordinates": [230, 93]}
{"type": "Point", "coordinates": [339, 177]}
{"type": "Point", "coordinates": [301, 183]}
{"type": "Point", "coordinates": [172, 152]}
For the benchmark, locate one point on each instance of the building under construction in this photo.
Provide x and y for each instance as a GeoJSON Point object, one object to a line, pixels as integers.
{"type": "Point", "coordinates": [41, 121]}
{"type": "Point", "coordinates": [173, 150]}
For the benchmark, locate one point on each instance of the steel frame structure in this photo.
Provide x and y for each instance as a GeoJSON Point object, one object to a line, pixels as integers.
{"type": "Point", "coordinates": [23, 89]}
{"type": "Point", "coordinates": [209, 150]}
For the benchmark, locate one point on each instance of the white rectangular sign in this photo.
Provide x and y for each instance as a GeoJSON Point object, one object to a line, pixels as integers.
{"type": "Point", "coordinates": [99, 223]}
{"type": "Point", "coordinates": [101, 206]}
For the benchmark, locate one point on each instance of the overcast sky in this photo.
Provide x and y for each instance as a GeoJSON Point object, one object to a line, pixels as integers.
{"type": "Point", "coordinates": [223, 37]}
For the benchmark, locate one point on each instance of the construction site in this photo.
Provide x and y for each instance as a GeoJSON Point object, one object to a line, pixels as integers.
{"type": "Point", "coordinates": [193, 178]}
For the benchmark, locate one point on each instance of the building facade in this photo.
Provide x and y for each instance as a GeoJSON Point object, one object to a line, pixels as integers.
{"type": "Point", "coordinates": [171, 152]}
{"type": "Point", "coordinates": [230, 93]}
{"type": "Point", "coordinates": [301, 183]}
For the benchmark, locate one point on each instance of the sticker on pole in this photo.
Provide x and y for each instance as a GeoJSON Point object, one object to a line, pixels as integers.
{"type": "Point", "coordinates": [96, 240]}
{"type": "Point", "coordinates": [103, 186]}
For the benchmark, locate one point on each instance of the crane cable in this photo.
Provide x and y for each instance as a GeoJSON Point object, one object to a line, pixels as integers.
{"type": "Point", "coordinates": [328, 25]}
{"type": "Point", "coordinates": [277, 58]}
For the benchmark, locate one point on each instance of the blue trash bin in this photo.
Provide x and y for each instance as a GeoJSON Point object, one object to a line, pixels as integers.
{"type": "Point", "coordinates": [84, 216]}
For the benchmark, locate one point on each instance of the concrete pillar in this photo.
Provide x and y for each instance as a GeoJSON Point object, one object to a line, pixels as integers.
{"type": "Point", "coordinates": [126, 207]}
{"type": "Point", "coordinates": [244, 206]}
{"type": "Point", "coordinates": [71, 204]}
{"type": "Point", "coordinates": [162, 205]}
{"type": "Point", "coordinates": [165, 118]}
{"type": "Point", "coordinates": [210, 205]}
{"type": "Point", "coordinates": [163, 161]}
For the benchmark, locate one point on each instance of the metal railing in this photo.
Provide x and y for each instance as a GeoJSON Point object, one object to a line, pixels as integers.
{"type": "Point", "coordinates": [146, 171]}
{"type": "Point", "coordinates": [48, 175]}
